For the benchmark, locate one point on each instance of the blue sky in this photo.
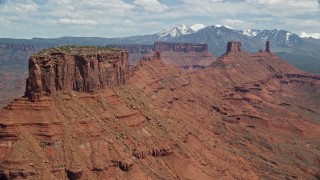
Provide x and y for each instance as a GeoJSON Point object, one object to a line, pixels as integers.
{"type": "Point", "coordinates": [119, 18]}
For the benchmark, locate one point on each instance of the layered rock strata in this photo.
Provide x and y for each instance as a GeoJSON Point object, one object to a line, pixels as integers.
{"type": "Point", "coordinates": [179, 47]}
{"type": "Point", "coordinates": [234, 46]}
{"type": "Point", "coordinates": [184, 55]}
{"type": "Point", "coordinates": [21, 47]}
{"type": "Point", "coordinates": [83, 69]}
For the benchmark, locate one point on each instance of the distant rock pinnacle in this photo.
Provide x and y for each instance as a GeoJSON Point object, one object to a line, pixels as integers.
{"type": "Point", "coordinates": [234, 46]}
{"type": "Point", "coordinates": [268, 46]}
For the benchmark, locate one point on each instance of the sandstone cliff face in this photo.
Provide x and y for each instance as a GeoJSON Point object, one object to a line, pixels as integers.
{"type": "Point", "coordinates": [234, 47]}
{"type": "Point", "coordinates": [85, 69]}
{"type": "Point", "coordinates": [155, 55]}
{"type": "Point", "coordinates": [179, 47]}
{"type": "Point", "coordinates": [136, 51]}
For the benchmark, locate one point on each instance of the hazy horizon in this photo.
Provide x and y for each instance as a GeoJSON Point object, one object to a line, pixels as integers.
{"type": "Point", "coordinates": [27, 19]}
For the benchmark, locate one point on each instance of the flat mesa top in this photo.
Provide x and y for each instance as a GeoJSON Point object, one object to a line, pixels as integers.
{"type": "Point", "coordinates": [78, 50]}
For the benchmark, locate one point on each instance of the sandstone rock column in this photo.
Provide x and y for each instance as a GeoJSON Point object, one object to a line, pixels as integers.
{"type": "Point", "coordinates": [234, 46]}
{"type": "Point", "coordinates": [268, 46]}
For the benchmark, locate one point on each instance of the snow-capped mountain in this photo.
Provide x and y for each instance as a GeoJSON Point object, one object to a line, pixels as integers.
{"type": "Point", "coordinates": [180, 30]}
{"type": "Point", "coordinates": [275, 35]}
{"type": "Point", "coordinates": [219, 26]}
{"type": "Point", "coordinates": [300, 50]}
{"type": "Point", "coordinates": [310, 35]}
{"type": "Point", "coordinates": [216, 36]}
{"type": "Point", "coordinates": [250, 32]}
{"type": "Point", "coordinates": [197, 27]}
{"type": "Point", "coordinates": [185, 29]}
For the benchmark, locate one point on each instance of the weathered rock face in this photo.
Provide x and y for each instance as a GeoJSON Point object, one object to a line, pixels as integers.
{"type": "Point", "coordinates": [83, 69]}
{"type": "Point", "coordinates": [234, 47]}
{"type": "Point", "coordinates": [179, 47]}
{"type": "Point", "coordinates": [268, 46]}
{"type": "Point", "coordinates": [136, 51]}
{"type": "Point", "coordinates": [152, 56]}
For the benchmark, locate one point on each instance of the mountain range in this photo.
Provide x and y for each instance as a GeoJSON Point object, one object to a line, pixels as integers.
{"type": "Point", "coordinates": [301, 51]}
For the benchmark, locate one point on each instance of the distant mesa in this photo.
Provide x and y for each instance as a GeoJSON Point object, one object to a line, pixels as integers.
{"type": "Point", "coordinates": [83, 69]}
{"type": "Point", "coordinates": [179, 47]}
{"type": "Point", "coordinates": [139, 51]}
{"type": "Point", "coordinates": [21, 47]}
{"type": "Point", "coordinates": [133, 48]}
{"type": "Point", "coordinates": [185, 55]}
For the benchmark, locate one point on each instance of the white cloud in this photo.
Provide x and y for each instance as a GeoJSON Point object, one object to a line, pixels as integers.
{"type": "Point", "coordinates": [307, 25]}
{"type": "Point", "coordinates": [19, 6]}
{"type": "Point", "coordinates": [304, 4]}
{"type": "Point", "coordinates": [214, 7]}
{"type": "Point", "coordinates": [237, 24]}
{"type": "Point", "coordinates": [92, 8]}
{"type": "Point", "coordinates": [286, 8]}
{"type": "Point", "coordinates": [77, 21]}
{"type": "Point", "coordinates": [104, 5]}
{"type": "Point", "coordinates": [151, 5]}
{"type": "Point", "coordinates": [4, 21]}
{"type": "Point", "coordinates": [93, 12]}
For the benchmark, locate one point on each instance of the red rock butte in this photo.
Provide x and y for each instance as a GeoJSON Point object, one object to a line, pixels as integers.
{"type": "Point", "coordinates": [234, 46]}
{"type": "Point", "coordinates": [83, 69]}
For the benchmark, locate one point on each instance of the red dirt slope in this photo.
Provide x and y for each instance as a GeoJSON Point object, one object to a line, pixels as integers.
{"type": "Point", "coordinates": [246, 117]}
